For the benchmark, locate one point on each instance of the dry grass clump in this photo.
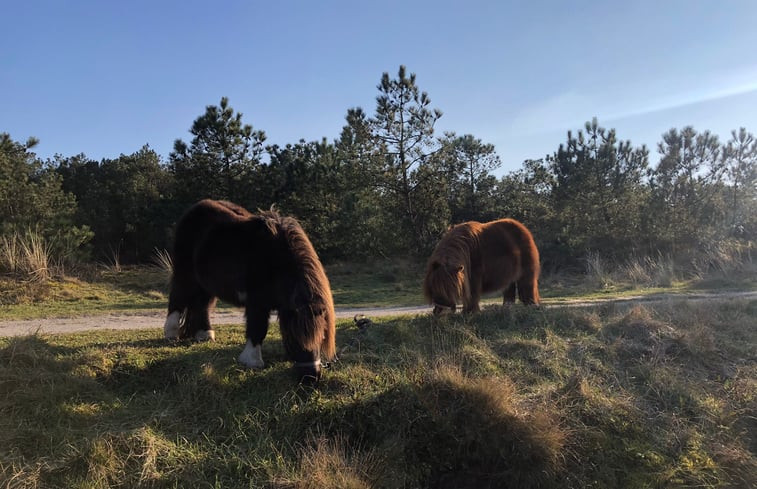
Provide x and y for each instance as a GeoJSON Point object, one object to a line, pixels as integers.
{"type": "Point", "coordinates": [636, 334]}
{"type": "Point", "coordinates": [659, 271]}
{"type": "Point", "coordinates": [482, 436]}
{"type": "Point", "coordinates": [136, 458]}
{"type": "Point", "coordinates": [163, 260]}
{"type": "Point", "coordinates": [27, 255]}
{"type": "Point", "coordinates": [332, 463]}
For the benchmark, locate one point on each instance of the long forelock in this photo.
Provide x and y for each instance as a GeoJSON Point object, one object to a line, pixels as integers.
{"type": "Point", "coordinates": [442, 283]}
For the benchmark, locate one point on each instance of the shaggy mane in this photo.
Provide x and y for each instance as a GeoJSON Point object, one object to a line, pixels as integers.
{"type": "Point", "coordinates": [452, 251]}
{"type": "Point", "coordinates": [303, 257]}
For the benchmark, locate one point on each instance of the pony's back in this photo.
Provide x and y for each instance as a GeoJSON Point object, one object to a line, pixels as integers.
{"type": "Point", "coordinates": [199, 218]}
{"type": "Point", "coordinates": [520, 239]}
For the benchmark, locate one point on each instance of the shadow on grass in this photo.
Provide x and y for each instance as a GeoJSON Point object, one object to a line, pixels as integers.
{"type": "Point", "coordinates": [105, 395]}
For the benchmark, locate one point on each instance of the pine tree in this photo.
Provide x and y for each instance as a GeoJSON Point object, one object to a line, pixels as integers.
{"type": "Point", "coordinates": [221, 159]}
{"type": "Point", "coordinates": [403, 129]}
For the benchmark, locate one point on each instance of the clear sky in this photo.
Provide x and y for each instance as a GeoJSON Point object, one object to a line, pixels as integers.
{"type": "Point", "coordinates": [105, 77]}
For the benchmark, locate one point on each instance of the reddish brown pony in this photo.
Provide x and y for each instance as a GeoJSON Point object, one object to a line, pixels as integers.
{"type": "Point", "coordinates": [262, 262]}
{"type": "Point", "coordinates": [474, 258]}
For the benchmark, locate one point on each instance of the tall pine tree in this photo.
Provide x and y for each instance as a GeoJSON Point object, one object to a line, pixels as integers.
{"type": "Point", "coordinates": [222, 159]}
{"type": "Point", "coordinates": [403, 129]}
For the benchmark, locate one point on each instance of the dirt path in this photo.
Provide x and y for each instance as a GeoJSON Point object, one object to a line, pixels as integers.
{"type": "Point", "coordinates": [154, 319]}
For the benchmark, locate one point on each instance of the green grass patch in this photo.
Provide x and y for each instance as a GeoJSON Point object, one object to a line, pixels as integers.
{"type": "Point", "coordinates": [377, 283]}
{"type": "Point", "coordinates": [97, 291]}
{"type": "Point", "coordinates": [606, 396]}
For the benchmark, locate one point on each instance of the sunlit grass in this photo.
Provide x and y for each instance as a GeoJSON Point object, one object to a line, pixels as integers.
{"type": "Point", "coordinates": [615, 396]}
{"type": "Point", "coordinates": [103, 291]}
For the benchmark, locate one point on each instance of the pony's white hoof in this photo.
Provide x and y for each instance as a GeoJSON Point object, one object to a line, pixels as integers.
{"type": "Point", "coordinates": [203, 335]}
{"type": "Point", "coordinates": [172, 326]}
{"type": "Point", "coordinates": [251, 356]}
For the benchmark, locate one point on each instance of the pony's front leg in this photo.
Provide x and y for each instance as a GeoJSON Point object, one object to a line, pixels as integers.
{"type": "Point", "coordinates": [197, 324]}
{"type": "Point", "coordinates": [172, 326]}
{"type": "Point", "coordinates": [508, 296]}
{"type": "Point", "coordinates": [177, 305]}
{"type": "Point", "coordinates": [470, 304]}
{"type": "Point", "coordinates": [257, 328]}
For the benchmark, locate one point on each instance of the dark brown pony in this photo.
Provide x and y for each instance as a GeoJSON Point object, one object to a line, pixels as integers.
{"type": "Point", "coordinates": [474, 258]}
{"type": "Point", "coordinates": [262, 262]}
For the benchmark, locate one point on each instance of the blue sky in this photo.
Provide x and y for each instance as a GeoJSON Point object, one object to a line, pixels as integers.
{"type": "Point", "coordinates": [104, 78]}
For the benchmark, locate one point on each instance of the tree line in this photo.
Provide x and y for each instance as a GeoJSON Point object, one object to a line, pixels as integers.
{"type": "Point", "coordinates": [389, 186]}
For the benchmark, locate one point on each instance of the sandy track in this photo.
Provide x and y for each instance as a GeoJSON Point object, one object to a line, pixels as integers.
{"type": "Point", "coordinates": [154, 319]}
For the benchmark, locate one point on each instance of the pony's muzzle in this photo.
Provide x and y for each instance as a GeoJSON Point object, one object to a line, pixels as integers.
{"type": "Point", "coordinates": [441, 309]}
{"type": "Point", "coordinates": [308, 372]}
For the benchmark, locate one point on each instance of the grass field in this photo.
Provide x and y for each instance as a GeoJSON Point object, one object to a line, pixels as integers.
{"type": "Point", "coordinates": [375, 284]}
{"type": "Point", "coordinates": [596, 397]}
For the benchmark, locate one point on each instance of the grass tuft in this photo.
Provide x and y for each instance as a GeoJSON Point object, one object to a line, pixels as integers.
{"type": "Point", "coordinates": [163, 260]}
{"type": "Point", "coordinates": [27, 255]}
{"type": "Point", "coordinates": [332, 463]}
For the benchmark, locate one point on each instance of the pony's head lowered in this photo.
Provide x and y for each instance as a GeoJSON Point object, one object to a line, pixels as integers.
{"type": "Point", "coordinates": [446, 280]}
{"type": "Point", "coordinates": [305, 304]}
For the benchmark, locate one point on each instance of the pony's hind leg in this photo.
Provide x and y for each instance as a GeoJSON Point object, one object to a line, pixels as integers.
{"type": "Point", "coordinates": [197, 324]}
{"type": "Point", "coordinates": [257, 329]}
{"type": "Point", "coordinates": [528, 291]}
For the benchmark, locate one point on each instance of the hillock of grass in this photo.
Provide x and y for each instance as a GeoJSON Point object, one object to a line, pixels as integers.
{"type": "Point", "coordinates": [607, 396]}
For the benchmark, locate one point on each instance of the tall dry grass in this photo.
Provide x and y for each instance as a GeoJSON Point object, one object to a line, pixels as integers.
{"type": "Point", "coordinates": [598, 270]}
{"type": "Point", "coordinates": [726, 259]}
{"type": "Point", "coordinates": [332, 463]}
{"type": "Point", "coordinates": [28, 255]}
{"type": "Point", "coordinates": [658, 271]}
{"type": "Point", "coordinates": [162, 259]}
{"type": "Point", "coordinates": [113, 259]}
